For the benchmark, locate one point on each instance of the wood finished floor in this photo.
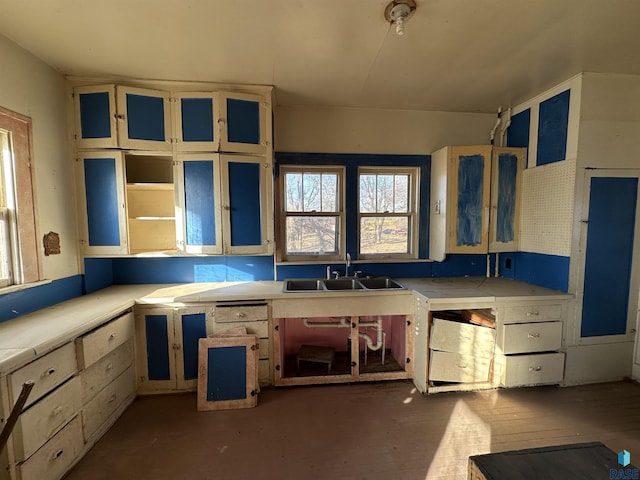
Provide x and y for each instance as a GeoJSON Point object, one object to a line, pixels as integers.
{"type": "Point", "coordinates": [373, 431]}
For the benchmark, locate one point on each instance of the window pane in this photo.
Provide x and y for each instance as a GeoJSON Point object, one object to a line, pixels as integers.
{"type": "Point", "coordinates": [311, 186]}
{"type": "Point", "coordinates": [383, 235]}
{"type": "Point", "coordinates": [368, 193]}
{"type": "Point", "coordinates": [401, 194]}
{"type": "Point", "coordinates": [385, 193]}
{"type": "Point", "coordinates": [293, 192]}
{"type": "Point", "coordinates": [312, 235]}
{"type": "Point", "coordinates": [329, 192]}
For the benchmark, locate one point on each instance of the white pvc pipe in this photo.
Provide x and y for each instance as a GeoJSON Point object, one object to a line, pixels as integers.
{"type": "Point", "coordinates": [343, 323]}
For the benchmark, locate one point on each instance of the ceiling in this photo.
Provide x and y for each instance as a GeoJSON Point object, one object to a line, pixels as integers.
{"type": "Point", "coordinates": [456, 55]}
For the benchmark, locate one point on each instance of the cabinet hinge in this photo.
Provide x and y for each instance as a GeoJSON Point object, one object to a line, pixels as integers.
{"type": "Point", "coordinates": [255, 347]}
{"type": "Point", "coordinates": [177, 162]}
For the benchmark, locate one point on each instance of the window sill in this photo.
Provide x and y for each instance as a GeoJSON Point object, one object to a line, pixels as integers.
{"type": "Point", "coordinates": [23, 286]}
{"type": "Point", "coordinates": [356, 262]}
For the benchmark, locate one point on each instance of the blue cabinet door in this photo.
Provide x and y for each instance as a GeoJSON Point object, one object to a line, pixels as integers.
{"type": "Point", "coordinates": [144, 119]}
{"type": "Point", "coordinates": [101, 177]}
{"type": "Point", "coordinates": [196, 118]}
{"type": "Point", "coordinates": [247, 213]}
{"type": "Point", "coordinates": [470, 169]}
{"type": "Point", "coordinates": [243, 123]}
{"type": "Point", "coordinates": [506, 171]}
{"type": "Point", "coordinates": [191, 324]}
{"type": "Point", "coordinates": [197, 178]}
{"type": "Point", "coordinates": [95, 116]}
{"type": "Point", "coordinates": [609, 305]}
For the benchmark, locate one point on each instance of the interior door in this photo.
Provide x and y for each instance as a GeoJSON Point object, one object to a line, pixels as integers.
{"type": "Point", "coordinates": [608, 298]}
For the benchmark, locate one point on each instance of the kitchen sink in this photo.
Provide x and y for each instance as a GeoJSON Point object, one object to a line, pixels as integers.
{"type": "Point", "coordinates": [380, 283]}
{"type": "Point", "coordinates": [341, 284]}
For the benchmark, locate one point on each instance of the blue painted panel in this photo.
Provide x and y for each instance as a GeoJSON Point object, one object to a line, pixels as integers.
{"type": "Point", "coordinates": [552, 129]}
{"type": "Point", "coordinates": [101, 185]}
{"type": "Point", "coordinates": [156, 329]}
{"type": "Point", "coordinates": [243, 121]}
{"type": "Point", "coordinates": [550, 271]}
{"type": "Point", "coordinates": [470, 192]}
{"type": "Point", "coordinates": [197, 119]}
{"type": "Point", "coordinates": [226, 373]}
{"type": "Point", "coordinates": [131, 270]}
{"type": "Point", "coordinates": [609, 252]}
{"type": "Point", "coordinates": [145, 117]}
{"type": "Point", "coordinates": [95, 117]}
{"type": "Point", "coordinates": [518, 131]}
{"type": "Point", "coordinates": [16, 304]}
{"type": "Point", "coordinates": [199, 202]}
{"type": "Point", "coordinates": [244, 199]}
{"type": "Point", "coordinates": [98, 274]}
{"type": "Point", "coordinates": [506, 208]}
{"type": "Point", "coordinates": [194, 327]}
{"type": "Point", "coordinates": [467, 265]}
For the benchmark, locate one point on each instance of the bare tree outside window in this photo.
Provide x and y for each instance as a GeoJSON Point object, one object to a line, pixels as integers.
{"type": "Point", "coordinates": [311, 205]}
{"type": "Point", "coordinates": [386, 212]}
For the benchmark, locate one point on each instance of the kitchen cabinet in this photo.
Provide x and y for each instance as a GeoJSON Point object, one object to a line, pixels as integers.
{"type": "Point", "coordinates": [102, 210]}
{"type": "Point", "coordinates": [224, 204]}
{"type": "Point", "coordinates": [475, 198]}
{"type": "Point", "coordinates": [345, 339]}
{"type": "Point", "coordinates": [167, 347]}
{"type": "Point", "coordinates": [121, 116]}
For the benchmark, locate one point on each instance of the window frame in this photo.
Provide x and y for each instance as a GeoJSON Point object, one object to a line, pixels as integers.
{"type": "Point", "coordinates": [27, 257]}
{"type": "Point", "coordinates": [283, 214]}
{"type": "Point", "coordinates": [412, 212]}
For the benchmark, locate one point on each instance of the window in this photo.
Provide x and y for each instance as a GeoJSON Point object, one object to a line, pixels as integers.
{"type": "Point", "coordinates": [312, 207]}
{"type": "Point", "coordinates": [19, 257]}
{"type": "Point", "coordinates": [387, 212]}
{"type": "Point", "coordinates": [7, 212]}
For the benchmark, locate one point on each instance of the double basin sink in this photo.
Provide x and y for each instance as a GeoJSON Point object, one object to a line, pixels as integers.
{"type": "Point", "coordinates": [341, 284]}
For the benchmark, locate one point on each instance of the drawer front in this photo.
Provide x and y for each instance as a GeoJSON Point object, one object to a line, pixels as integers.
{"type": "Point", "coordinates": [464, 338]}
{"type": "Point", "coordinates": [261, 329]}
{"type": "Point", "coordinates": [46, 372]}
{"type": "Point", "coordinates": [455, 367]}
{"type": "Point", "coordinates": [40, 422]}
{"type": "Point", "coordinates": [241, 313]}
{"type": "Point", "coordinates": [532, 337]}
{"type": "Point", "coordinates": [534, 369]}
{"type": "Point", "coordinates": [105, 370]}
{"type": "Point", "coordinates": [103, 340]}
{"type": "Point", "coordinates": [56, 456]}
{"type": "Point", "coordinates": [532, 313]}
{"type": "Point", "coordinates": [105, 403]}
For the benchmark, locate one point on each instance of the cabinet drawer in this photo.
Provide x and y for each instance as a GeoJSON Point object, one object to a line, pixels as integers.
{"type": "Point", "coordinates": [464, 338]}
{"type": "Point", "coordinates": [103, 340]}
{"type": "Point", "coordinates": [246, 313]}
{"type": "Point", "coordinates": [39, 423]}
{"type": "Point", "coordinates": [532, 337]}
{"type": "Point", "coordinates": [455, 367]}
{"type": "Point", "coordinates": [261, 329]}
{"type": "Point", "coordinates": [46, 372]}
{"type": "Point", "coordinates": [105, 403]}
{"type": "Point", "coordinates": [532, 313]}
{"type": "Point", "coordinates": [533, 369]}
{"type": "Point", "coordinates": [101, 373]}
{"type": "Point", "coordinates": [56, 456]}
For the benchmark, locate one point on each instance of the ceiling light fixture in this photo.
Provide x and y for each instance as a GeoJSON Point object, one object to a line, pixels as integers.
{"type": "Point", "coordinates": [398, 11]}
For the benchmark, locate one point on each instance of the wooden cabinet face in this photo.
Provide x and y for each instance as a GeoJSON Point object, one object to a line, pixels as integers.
{"type": "Point", "coordinates": [243, 120]}
{"type": "Point", "coordinates": [144, 120]}
{"type": "Point", "coordinates": [95, 116]}
{"type": "Point", "coordinates": [102, 205]}
{"type": "Point", "coordinates": [196, 117]}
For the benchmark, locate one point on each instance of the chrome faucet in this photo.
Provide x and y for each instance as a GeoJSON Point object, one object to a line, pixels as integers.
{"type": "Point", "coordinates": [347, 263]}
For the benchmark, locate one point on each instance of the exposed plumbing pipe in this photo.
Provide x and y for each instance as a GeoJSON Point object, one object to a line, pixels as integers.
{"type": "Point", "coordinates": [495, 127]}
{"type": "Point", "coordinates": [379, 334]}
{"type": "Point", "coordinates": [505, 125]}
{"type": "Point", "coordinates": [343, 323]}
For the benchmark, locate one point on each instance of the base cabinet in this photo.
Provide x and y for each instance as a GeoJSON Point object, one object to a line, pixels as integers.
{"type": "Point", "coordinates": [167, 347]}
{"type": "Point", "coordinates": [522, 370]}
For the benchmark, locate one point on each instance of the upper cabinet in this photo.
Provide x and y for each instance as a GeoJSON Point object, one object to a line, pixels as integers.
{"type": "Point", "coordinates": [475, 199]}
{"type": "Point", "coordinates": [109, 116]}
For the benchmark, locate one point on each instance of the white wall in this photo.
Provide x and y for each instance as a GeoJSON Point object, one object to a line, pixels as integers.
{"type": "Point", "coordinates": [367, 130]}
{"type": "Point", "coordinates": [30, 87]}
